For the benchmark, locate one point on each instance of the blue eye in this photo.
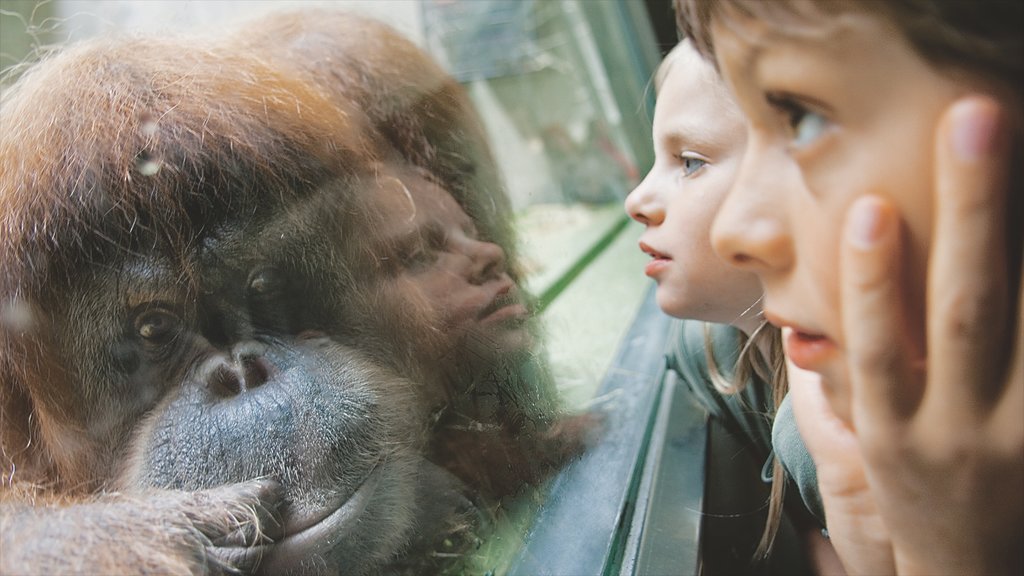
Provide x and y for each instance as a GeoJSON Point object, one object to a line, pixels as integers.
{"type": "Point", "coordinates": [691, 164]}
{"type": "Point", "coordinates": [807, 128]}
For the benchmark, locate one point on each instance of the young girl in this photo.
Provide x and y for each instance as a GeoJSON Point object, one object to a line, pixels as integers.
{"type": "Point", "coordinates": [877, 206]}
{"type": "Point", "coordinates": [699, 135]}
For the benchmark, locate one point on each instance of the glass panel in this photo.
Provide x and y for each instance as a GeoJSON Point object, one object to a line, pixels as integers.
{"type": "Point", "coordinates": [417, 278]}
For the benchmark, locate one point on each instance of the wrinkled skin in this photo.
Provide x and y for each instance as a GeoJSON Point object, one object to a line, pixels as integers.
{"type": "Point", "coordinates": [182, 330]}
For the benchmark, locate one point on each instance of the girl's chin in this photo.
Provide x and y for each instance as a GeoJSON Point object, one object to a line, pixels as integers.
{"type": "Point", "coordinates": [513, 340]}
{"type": "Point", "coordinates": [494, 342]}
{"type": "Point", "coordinates": [675, 302]}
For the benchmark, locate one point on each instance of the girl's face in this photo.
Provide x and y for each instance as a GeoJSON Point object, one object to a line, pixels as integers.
{"type": "Point", "coordinates": [837, 111]}
{"type": "Point", "coordinates": [698, 142]}
{"type": "Point", "coordinates": [459, 280]}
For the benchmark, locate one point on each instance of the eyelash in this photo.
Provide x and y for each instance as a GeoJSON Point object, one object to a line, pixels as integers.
{"type": "Point", "coordinates": [805, 126]}
{"type": "Point", "coordinates": [424, 251]}
{"type": "Point", "coordinates": [685, 159]}
{"type": "Point", "coordinates": [420, 257]}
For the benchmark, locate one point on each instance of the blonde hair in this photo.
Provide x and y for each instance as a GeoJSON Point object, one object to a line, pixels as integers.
{"type": "Point", "coordinates": [686, 52]}
{"type": "Point", "coordinates": [760, 356]}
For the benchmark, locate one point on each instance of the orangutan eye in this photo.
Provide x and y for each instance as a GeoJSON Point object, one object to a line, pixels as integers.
{"type": "Point", "coordinates": [157, 325]}
{"type": "Point", "coordinates": [267, 282]}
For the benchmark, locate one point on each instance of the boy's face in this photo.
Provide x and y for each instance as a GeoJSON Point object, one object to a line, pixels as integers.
{"type": "Point", "coordinates": [835, 113]}
{"type": "Point", "coordinates": [698, 143]}
{"type": "Point", "coordinates": [459, 280]}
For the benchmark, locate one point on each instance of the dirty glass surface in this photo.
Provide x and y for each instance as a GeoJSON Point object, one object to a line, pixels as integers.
{"type": "Point", "coordinates": [470, 245]}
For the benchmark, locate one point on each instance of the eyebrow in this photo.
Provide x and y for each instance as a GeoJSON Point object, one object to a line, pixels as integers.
{"type": "Point", "coordinates": [427, 233]}
{"type": "Point", "coordinates": [682, 134]}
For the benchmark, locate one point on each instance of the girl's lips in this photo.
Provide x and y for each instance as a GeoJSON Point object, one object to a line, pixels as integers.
{"type": "Point", "coordinates": [656, 266]}
{"type": "Point", "coordinates": [511, 311]}
{"type": "Point", "coordinates": [806, 350]}
{"type": "Point", "coordinates": [504, 306]}
{"type": "Point", "coordinates": [646, 249]}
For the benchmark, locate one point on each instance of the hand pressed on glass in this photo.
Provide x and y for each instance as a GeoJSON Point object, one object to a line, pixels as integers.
{"type": "Point", "coordinates": [946, 429]}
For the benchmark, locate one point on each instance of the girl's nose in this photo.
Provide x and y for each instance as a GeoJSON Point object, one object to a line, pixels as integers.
{"type": "Point", "coordinates": [751, 243]}
{"type": "Point", "coordinates": [644, 205]}
{"type": "Point", "coordinates": [488, 261]}
{"type": "Point", "coordinates": [751, 230]}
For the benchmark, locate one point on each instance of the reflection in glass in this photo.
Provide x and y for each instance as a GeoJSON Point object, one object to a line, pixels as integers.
{"type": "Point", "coordinates": [442, 258]}
{"type": "Point", "coordinates": [311, 193]}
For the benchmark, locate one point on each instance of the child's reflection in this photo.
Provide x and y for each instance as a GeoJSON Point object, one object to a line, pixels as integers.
{"type": "Point", "coordinates": [478, 353]}
{"type": "Point", "coordinates": [463, 279]}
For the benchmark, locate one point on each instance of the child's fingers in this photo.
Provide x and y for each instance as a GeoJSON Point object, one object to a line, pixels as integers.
{"type": "Point", "coordinates": [856, 528]}
{"type": "Point", "coordinates": [1008, 424]}
{"type": "Point", "coordinates": [879, 361]}
{"type": "Point", "coordinates": [967, 284]}
{"type": "Point", "coordinates": [822, 430]}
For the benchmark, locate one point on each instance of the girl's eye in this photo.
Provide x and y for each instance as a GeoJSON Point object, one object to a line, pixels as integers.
{"type": "Point", "coordinates": [805, 126]}
{"type": "Point", "coordinates": [808, 128]}
{"type": "Point", "coordinates": [691, 164]}
{"type": "Point", "coordinates": [420, 257]}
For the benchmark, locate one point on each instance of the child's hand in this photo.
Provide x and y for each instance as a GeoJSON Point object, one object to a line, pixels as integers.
{"type": "Point", "coordinates": [856, 529]}
{"type": "Point", "coordinates": [943, 443]}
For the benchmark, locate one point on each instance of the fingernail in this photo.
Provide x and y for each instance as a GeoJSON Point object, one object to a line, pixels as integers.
{"type": "Point", "coordinates": [974, 127]}
{"type": "Point", "coordinates": [865, 222]}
